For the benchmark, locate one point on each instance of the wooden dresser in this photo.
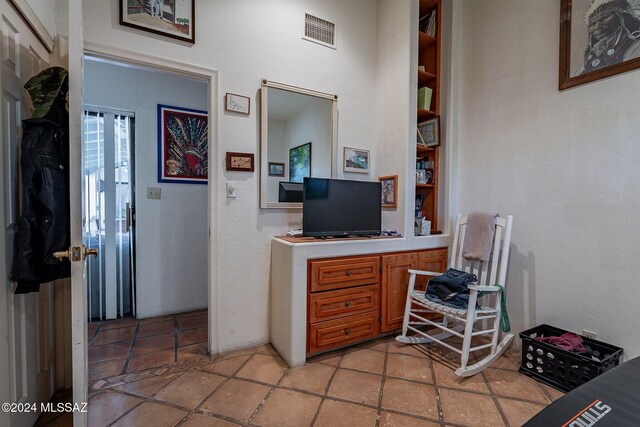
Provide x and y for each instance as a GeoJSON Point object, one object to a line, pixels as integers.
{"type": "Point", "coordinates": [357, 298]}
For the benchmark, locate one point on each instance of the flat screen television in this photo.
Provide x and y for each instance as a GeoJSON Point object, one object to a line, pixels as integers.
{"type": "Point", "coordinates": [340, 208]}
{"type": "Point", "coordinates": [290, 191]}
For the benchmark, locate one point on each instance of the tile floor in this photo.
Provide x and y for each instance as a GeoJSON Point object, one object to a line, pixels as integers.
{"type": "Point", "coordinates": [128, 345]}
{"type": "Point", "coordinates": [376, 384]}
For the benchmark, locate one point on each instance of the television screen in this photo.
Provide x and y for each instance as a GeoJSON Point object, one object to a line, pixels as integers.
{"type": "Point", "coordinates": [290, 191]}
{"type": "Point", "coordinates": [333, 207]}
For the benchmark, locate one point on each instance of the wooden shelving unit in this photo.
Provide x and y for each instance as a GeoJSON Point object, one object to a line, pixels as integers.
{"type": "Point", "coordinates": [429, 58]}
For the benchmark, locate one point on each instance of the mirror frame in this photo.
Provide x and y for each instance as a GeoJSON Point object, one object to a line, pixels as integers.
{"type": "Point", "coordinates": [264, 138]}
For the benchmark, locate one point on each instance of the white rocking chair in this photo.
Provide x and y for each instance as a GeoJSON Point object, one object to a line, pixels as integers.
{"type": "Point", "coordinates": [489, 274]}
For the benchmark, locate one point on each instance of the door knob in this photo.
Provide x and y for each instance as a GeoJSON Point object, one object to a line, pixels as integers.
{"type": "Point", "coordinates": [76, 253]}
{"type": "Point", "coordinates": [60, 255]}
{"type": "Point", "coordinates": [89, 252]}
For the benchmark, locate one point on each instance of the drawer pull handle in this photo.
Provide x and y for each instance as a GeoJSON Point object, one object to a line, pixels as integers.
{"type": "Point", "coordinates": [347, 304]}
{"type": "Point", "coordinates": [346, 331]}
{"type": "Point", "coordinates": [349, 273]}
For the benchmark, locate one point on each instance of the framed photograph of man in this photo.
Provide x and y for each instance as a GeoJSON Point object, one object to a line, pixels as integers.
{"type": "Point", "coordinates": [598, 39]}
{"type": "Point", "coordinates": [170, 18]}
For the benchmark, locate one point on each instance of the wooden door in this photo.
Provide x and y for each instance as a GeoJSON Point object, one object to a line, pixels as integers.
{"type": "Point", "coordinates": [395, 279]}
{"type": "Point", "coordinates": [26, 356]}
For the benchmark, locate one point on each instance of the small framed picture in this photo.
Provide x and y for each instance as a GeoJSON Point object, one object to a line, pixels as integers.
{"type": "Point", "coordinates": [356, 160]}
{"type": "Point", "coordinates": [276, 169]}
{"type": "Point", "coordinates": [389, 197]}
{"type": "Point", "coordinates": [237, 103]}
{"type": "Point", "coordinates": [421, 176]}
{"type": "Point", "coordinates": [170, 18]}
{"type": "Point", "coordinates": [428, 176]}
{"type": "Point", "coordinates": [429, 132]}
{"type": "Point", "coordinates": [240, 162]}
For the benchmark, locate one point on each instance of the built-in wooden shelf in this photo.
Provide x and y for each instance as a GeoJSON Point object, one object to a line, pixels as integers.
{"type": "Point", "coordinates": [421, 149]}
{"type": "Point", "coordinates": [425, 114]}
{"type": "Point", "coordinates": [427, 5]}
{"type": "Point", "coordinates": [425, 40]}
{"type": "Point", "coordinates": [424, 78]}
{"type": "Point", "coordinates": [424, 185]}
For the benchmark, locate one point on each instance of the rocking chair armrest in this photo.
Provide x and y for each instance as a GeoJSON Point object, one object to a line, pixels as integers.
{"type": "Point", "coordinates": [424, 273]}
{"type": "Point", "coordinates": [484, 288]}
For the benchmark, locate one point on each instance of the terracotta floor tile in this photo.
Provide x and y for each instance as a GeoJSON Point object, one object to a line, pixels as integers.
{"type": "Point", "coordinates": [107, 369]}
{"type": "Point", "coordinates": [469, 409]}
{"type": "Point", "coordinates": [288, 409]}
{"type": "Point", "coordinates": [190, 353]}
{"type": "Point", "coordinates": [226, 367]}
{"type": "Point", "coordinates": [154, 343]}
{"type": "Point", "coordinates": [200, 420]}
{"type": "Point", "coordinates": [267, 349]}
{"type": "Point", "coordinates": [359, 387]}
{"type": "Point", "coordinates": [193, 336]}
{"type": "Point", "coordinates": [101, 353]}
{"type": "Point", "coordinates": [156, 328]}
{"type": "Point", "coordinates": [331, 359]}
{"type": "Point", "coordinates": [146, 387]}
{"type": "Point", "coordinates": [409, 349]}
{"type": "Point", "coordinates": [446, 376]}
{"type": "Point", "coordinates": [313, 377]}
{"type": "Point", "coordinates": [191, 322]}
{"type": "Point", "coordinates": [509, 360]}
{"type": "Point", "coordinates": [409, 367]}
{"type": "Point", "coordinates": [514, 384]}
{"type": "Point", "coordinates": [114, 335]}
{"type": "Point", "coordinates": [152, 414]}
{"type": "Point", "coordinates": [191, 313]}
{"type": "Point", "coordinates": [236, 353]}
{"type": "Point", "coordinates": [390, 419]}
{"type": "Point", "coordinates": [341, 414]}
{"type": "Point", "coordinates": [236, 399]}
{"type": "Point", "coordinates": [118, 323]}
{"type": "Point", "coordinates": [151, 360]}
{"type": "Point", "coordinates": [106, 407]}
{"type": "Point", "coordinates": [158, 319]}
{"type": "Point", "coordinates": [62, 420]}
{"type": "Point", "coordinates": [517, 412]}
{"type": "Point", "coordinates": [364, 360]}
{"type": "Point", "coordinates": [410, 398]}
{"type": "Point", "coordinates": [263, 368]}
{"type": "Point", "coordinates": [190, 389]}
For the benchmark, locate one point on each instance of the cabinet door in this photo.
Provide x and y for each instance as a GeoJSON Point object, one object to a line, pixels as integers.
{"type": "Point", "coordinates": [395, 280]}
{"type": "Point", "coordinates": [432, 260]}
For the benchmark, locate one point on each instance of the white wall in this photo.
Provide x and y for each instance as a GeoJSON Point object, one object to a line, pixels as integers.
{"type": "Point", "coordinates": [171, 233]}
{"type": "Point", "coordinates": [247, 41]}
{"type": "Point", "coordinates": [565, 164]}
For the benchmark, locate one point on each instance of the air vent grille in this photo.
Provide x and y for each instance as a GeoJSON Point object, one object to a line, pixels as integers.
{"type": "Point", "coordinates": [319, 30]}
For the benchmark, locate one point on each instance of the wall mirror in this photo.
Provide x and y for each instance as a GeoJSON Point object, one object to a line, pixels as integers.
{"type": "Point", "coordinates": [298, 134]}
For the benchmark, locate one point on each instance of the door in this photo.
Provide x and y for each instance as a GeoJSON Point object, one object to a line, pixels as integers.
{"type": "Point", "coordinates": [26, 363]}
{"type": "Point", "coordinates": [108, 212]}
{"type": "Point", "coordinates": [395, 280]}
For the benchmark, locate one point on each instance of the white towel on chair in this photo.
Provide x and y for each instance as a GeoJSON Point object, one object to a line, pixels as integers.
{"type": "Point", "coordinates": [478, 237]}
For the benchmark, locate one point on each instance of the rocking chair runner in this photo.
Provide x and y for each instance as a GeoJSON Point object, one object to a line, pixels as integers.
{"type": "Point", "coordinates": [490, 274]}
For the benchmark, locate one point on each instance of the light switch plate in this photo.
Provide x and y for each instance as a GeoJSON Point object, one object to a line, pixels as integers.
{"type": "Point", "coordinates": [154, 193]}
{"type": "Point", "coordinates": [231, 190]}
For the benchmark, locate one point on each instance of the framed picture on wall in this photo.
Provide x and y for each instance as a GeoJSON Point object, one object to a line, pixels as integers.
{"type": "Point", "coordinates": [183, 145]}
{"type": "Point", "coordinates": [276, 169]}
{"type": "Point", "coordinates": [389, 196]}
{"type": "Point", "coordinates": [242, 162]}
{"type": "Point", "coordinates": [300, 162]}
{"type": "Point", "coordinates": [356, 160]}
{"type": "Point", "coordinates": [598, 39]}
{"type": "Point", "coordinates": [170, 18]}
{"type": "Point", "coordinates": [237, 103]}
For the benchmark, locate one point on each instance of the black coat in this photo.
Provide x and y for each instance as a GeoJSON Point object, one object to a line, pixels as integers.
{"type": "Point", "coordinates": [44, 223]}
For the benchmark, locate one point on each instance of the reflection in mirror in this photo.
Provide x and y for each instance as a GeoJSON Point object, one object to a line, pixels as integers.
{"type": "Point", "coordinates": [298, 137]}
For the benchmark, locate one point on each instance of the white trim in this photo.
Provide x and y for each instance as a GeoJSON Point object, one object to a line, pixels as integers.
{"type": "Point", "coordinates": [212, 78]}
{"type": "Point", "coordinates": [32, 20]}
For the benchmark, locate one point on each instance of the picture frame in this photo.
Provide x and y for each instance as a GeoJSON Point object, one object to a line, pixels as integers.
{"type": "Point", "coordinates": [183, 145]}
{"type": "Point", "coordinates": [243, 162]}
{"type": "Point", "coordinates": [429, 132]}
{"type": "Point", "coordinates": [300, 162]}
{"type": "Point", "coordinates": [169, 18]}
{"type": "Point", "coordinates": [389, 191]}
{"type": "Point", "coordinates": [597, 40]}
{"type": "Point", "coordinates": [356, 160]}
{"type": "Point", "coordinates": [237, 103]}
{"type": "Point", "coordinates": [421, 176]}
{"type": "Point", "coordinates": [276, 169]}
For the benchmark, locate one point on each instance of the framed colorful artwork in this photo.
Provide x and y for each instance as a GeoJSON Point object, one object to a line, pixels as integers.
{"type": "Point", "coordinates": [242, 162]}
{"type": "Point", "coordinates": [170, 18]}
{"type": "Point", "coordinates": [356, 160]}
{"type": "Point", "coordinates": [300, 162]}
{"type": "Point", "coordinates": [389, 197]}
{"type": "Point", "coordinates": [183, 145]}
{"type": "Point", "coordinates": [598, 39]}
{"type": "Point", "coordinates": [276, 169]}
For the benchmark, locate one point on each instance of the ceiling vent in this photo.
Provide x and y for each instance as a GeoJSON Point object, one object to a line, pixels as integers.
{"type": "Point", "coordinates": [319, 30]}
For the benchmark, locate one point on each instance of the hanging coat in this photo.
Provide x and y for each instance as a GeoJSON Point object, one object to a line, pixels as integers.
{"type": "Point", "coordinates": [44, 163]}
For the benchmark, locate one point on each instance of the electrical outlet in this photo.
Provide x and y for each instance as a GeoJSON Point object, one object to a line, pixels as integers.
{"type": "Point", "coordinates": [231, 190]}
{"type": "Point", "coordinates": [154, 193]}
{"type": "Point", "coordinates": [589, 334]}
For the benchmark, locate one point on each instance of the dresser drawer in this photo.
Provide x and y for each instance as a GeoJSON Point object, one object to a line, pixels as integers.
{"type": "Point", "coordinates": [343, 302]}
{"type": "Point", "coordinates": [339, 332]}
{"type": "Point", "coordinates": [344, 273]}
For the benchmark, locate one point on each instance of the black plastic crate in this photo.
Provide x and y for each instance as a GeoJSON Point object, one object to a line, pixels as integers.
{"type": "Point", "coordinates": [563, 370]}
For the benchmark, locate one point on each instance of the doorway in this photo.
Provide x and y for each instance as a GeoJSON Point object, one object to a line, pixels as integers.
{"type": "Point", "coordinates": [153, 231]}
